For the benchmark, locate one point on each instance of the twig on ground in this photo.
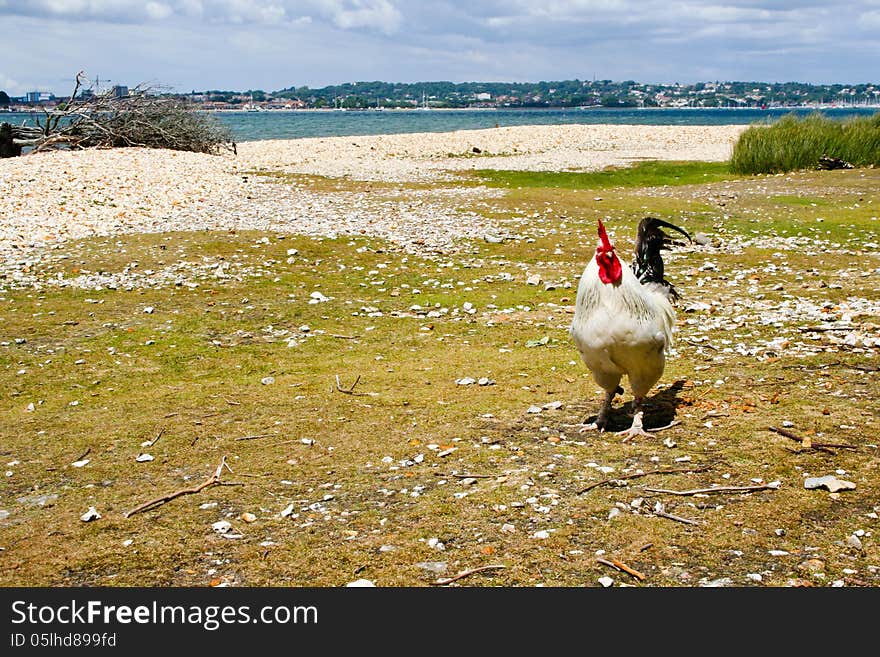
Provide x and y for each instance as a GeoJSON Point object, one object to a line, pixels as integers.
{"type": "Point", "coordinates": [466, 573]}
{"type": "Point", "coordinates": [231, 402]}
{"type": "Point", "coordinates": [701, 468]}
{"type": "Point", "coordinates": [256, 436]}
{"type": "Point", "coordinates": [465, 476]}
{"type": "Point", "coordinates": [213, 480]}
{"type": "Point", "coordinates": [343, 337]}
{"type": "Point", "coordinates": [717, 489]}
{"type": "Point", "coordinates": [156, 439]}
{"type": "Point", "coordinates": [84, 454]}
{"type": "Point", "coordinates": [670, 516]}
{"type": "Point", "coordinates": [347, 391]}
{"type": "Point", "coordinates": [808, 442]}
{"type": "Point", "coordinates": [619, 565]}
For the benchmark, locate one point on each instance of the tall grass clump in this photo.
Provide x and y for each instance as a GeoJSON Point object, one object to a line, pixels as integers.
{"type": "Point", "coordinates": [792, 143]}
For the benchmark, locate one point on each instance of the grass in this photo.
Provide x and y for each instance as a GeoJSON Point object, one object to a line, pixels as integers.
{"type": "Point", "coordinates": [364, 472]}
{"type": "Point", "coordinates": [793, 143]}
{"type": "Point", "coordinates": [641, 174]}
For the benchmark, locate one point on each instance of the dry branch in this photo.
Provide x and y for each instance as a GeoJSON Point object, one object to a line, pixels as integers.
{"type": "Point", "coordinates": [94, 119]}
{"type": "Point", "coordinates": [669, 516]}
{"type": "Point", "coordinates": [619, 565]}
{"type": "Point", "coordinates": [213, 480]}
{"type": "Point", "coordinates": [348, 391]}
{"type": "Point", "coordinates": [808, 442]}
{"type": "Point", "coordinates": [701, 468]}
{"type": "Point", "coordinates": [466, 573]}
{"type": "Point", "coordinates": [717, 489]}
{"type": "Point", "coordinates": [257, 436]}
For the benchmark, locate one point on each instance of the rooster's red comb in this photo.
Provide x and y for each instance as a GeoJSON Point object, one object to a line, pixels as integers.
{"type": "Point", "coordinates": [606, 243]}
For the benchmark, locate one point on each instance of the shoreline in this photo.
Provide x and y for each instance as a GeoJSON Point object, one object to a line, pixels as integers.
{"type": "Point", "coordinates": [58, 196]}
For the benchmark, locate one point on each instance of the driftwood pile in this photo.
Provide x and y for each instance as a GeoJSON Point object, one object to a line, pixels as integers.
{"type": "Point", "coordinates": [828, 163]}
{"type": "Point", "coordinates": [106, 120]}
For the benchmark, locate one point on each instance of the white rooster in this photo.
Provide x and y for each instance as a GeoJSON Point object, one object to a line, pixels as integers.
{"type": "Point", "coordinates": [623, 319]}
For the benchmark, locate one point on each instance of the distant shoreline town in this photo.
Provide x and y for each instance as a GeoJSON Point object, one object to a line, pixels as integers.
{"type": "Point", "coordinates": [500, 95]}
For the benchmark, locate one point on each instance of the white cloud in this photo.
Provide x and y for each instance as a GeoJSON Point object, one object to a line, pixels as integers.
{"type": "Point", "coordinates": [157, 10]}
{"type": "Point", "coordinates": [271, 44]}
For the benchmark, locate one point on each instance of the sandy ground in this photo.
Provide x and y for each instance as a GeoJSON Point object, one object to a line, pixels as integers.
{"type": "Point", "coordinates": [57, 196]}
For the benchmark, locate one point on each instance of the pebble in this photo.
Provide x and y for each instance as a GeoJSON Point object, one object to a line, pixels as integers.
{"type": "Point", "coordinates": [248, 517]}
{"type": "Point", "coordinates": [90, 515]}
{"type": "Point", "coordinates": [606, 581]}
{"type": "Point", "coordinates": [221, 526]}
{"type": "Point", "coordinates": [267, 380]}
{"type": "Point", "coordinates": [143, 458]}
{"type": "Point", "coordinates": [361, 583]}
{"type": "Point", "coordinates": [854, 542]}
{"type": "Point", "coordinates": [433, 567]}
{"type": "Point", "coordinates": [830, 482]}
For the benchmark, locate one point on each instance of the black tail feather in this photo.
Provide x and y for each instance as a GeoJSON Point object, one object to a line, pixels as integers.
{"type": "Point", "coordinates": [650, 241]}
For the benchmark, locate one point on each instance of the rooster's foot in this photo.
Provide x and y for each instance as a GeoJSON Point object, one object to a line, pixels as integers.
{"type": "Point", "coordinates": [635, 430]}
{"type": "Point", "coordinates": [632, 432]}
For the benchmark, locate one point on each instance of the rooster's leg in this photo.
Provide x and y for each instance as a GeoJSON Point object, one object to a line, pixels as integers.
{"type": "Point", "coordinates": [636, 429]}
{"type": "Point", "coordinates": [602, 419]}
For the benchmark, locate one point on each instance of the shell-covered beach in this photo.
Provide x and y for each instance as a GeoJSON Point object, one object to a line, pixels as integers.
{"type": "Point", "coordinates": [55, 196]}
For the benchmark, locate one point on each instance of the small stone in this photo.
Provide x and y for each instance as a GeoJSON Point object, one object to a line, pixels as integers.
{"type": "Point", "coordinates": [143, 458]}
{"type": "Point", "coordinates": [127, 542]}
{"type": "Point", "coordinates": [221, 526]}
{"type": "Point", "coordinates": [755, 577]}
{"type": "Point", "coordinates": [361, 583]}
{"type": "Point", "coordinates": [468, 481]}
{"type": "Point", "coordinates": [507, 528]}
{"type": "Point", "coordinates": [267, 380]}
{"type": "Point", "coordinates": [466, 381]}
{"type": "Point", "coordinates": [90, 515]}
{"type": "Point", "coordinates": [80, 463]}
{"type": "Point", "coordinates": [436, 544]}
{"type": "Point", "coordinates": [433, 567]}
{"type": "Point", "coordinates": [534, 279]}
{"type": "Point", "coordinates": [717, 583]}
{"type": "Point", "coordinates": [812, 565]}
{"type": "Point", "coordinates": [248, 517]}
{"type": "Point", "coordinates": [541, 534]}
{"type": "Point", "coordinates": [149, 310]}
{"type": "Point", "coordinates": [485, 381]}
{"type": "Point", "coordinates": [533, 409]}
{"type": "Point", "coordinates": [829, 482]}
{"type": "Point", "coordinates": [854, 542]}
{"type": "Point", "coordinates": [606, 581]}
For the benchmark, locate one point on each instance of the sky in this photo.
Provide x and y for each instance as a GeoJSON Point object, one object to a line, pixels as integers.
{"type": "Point", "coordinates": [184, 45]}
